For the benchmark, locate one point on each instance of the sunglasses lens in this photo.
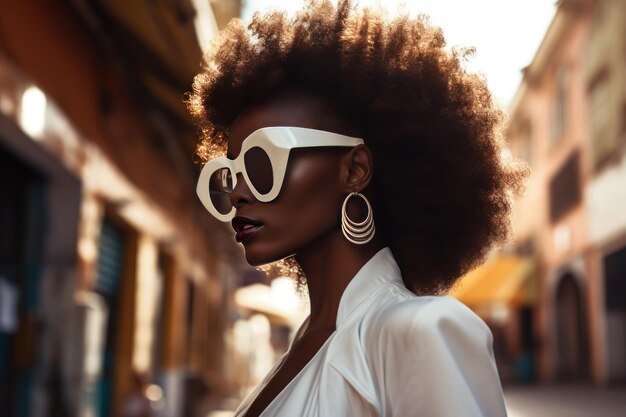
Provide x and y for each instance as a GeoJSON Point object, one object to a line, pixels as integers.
{"type": "Point", "coordinates": [259, 169]}
{"type": "Point", "coordinates": [220, 187]}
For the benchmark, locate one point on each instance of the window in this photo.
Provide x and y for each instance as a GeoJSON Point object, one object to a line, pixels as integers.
{"type": "Point", "coordinates": [565, 188]}
{"type": "Point", "coordinates": [603, 67]}
{"type": "Point", "coordinates": [526, 142]}
{"type": "Point", "coordinates": [559, 109]}
{"type": "Point", "coordinates": [599, 113]}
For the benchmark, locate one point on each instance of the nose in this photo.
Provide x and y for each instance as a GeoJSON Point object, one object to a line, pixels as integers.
{"type": "Point", "coordinates": [241, 194]}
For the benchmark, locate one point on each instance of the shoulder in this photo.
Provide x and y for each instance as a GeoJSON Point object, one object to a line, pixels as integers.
{"type": "Point", "coordinates": [426, 307]}
{"type": "Point", "coordinates": [424, 322]}
{"type": "Point", "coordinates": [427, 313]}
{"type": "Point", "coordinates": [432, 354]}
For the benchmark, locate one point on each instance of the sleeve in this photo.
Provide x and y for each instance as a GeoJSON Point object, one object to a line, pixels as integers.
{"type": "Point", "coordinates": [436, 359]}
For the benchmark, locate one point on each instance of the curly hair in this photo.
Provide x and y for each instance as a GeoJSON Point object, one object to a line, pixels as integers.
{"type": "Point", "coordinates": [441, 189]}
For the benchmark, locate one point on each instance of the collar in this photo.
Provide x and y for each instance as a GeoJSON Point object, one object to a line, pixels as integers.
{"type": "Point", "coordinates": [379, 271]}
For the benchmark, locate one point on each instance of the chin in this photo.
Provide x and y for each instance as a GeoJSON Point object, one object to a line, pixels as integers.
{"type": "Point", "coordinates": [256, 255]}
{"type": "Point", "coordinates": [255, 261]}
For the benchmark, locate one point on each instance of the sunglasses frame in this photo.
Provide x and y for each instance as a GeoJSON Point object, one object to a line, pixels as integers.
{"type": "Point", "coordinates": [277, 142]}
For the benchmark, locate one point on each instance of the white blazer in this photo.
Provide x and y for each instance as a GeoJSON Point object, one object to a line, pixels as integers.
{"type": "Point", "coordinates": [394, 354]}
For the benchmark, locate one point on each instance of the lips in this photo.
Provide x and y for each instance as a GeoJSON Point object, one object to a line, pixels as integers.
{"type": "Point", "coordinates": [245, 227]}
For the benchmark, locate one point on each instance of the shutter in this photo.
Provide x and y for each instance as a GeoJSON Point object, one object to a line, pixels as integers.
{"type": "Point", "coordinates": [110, 259]}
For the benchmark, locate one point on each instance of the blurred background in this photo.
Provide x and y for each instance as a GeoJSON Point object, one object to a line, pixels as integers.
{"type": "Point", "coordinates": [119, 294]}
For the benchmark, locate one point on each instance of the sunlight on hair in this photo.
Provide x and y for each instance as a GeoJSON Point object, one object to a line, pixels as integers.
{"type": "Point", "coordinates": [487, 25]}
{"type": "Point", "coordinates": [287, 267]}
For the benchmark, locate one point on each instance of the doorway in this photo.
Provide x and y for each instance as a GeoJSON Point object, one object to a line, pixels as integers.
{"type": "Point", "coordinates": [615, 306]}
{"type": "Point", "coordinates": [110, 272]}
{"type": "Point", "coordinates": [21, 261]}
{"type": "Point", "coordinates": [572, 344]}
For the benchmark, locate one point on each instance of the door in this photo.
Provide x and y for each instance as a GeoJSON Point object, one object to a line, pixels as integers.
{"type": "Point", "coordinates": [21, 253]}
{"type": "Point", "coordinates": [110, 269]}
{"type": "Point", "coordinates": [572, 358]}
{"type": "Point", "coordinates": [615, 305]}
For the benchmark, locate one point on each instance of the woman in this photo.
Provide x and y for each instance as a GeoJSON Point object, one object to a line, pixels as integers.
{"type": "Point", "coordinates": [361, 148]}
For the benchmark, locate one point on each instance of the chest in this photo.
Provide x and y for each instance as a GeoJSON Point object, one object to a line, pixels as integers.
{"type": "Point", "coordinates": [293, 370]}
{"type": "Point", "coordinates": [331, 383]}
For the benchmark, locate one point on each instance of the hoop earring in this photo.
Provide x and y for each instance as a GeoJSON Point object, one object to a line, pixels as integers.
{"type": "Point", "coordinates": [358, 233]}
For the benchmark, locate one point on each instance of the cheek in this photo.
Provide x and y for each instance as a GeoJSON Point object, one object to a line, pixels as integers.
{"type": "Point", "coordinates": [315, 178]}
{"type": "Point", "coordinates": [307, 208]}
{"type": "Point", "coordinates": [309, 203]}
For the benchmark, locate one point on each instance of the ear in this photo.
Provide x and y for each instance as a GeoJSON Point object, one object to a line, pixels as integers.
{"type": "Point", "coordinates": [357, 168]}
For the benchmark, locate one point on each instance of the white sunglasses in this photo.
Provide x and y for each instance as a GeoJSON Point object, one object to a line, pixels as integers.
{"type": "Point", "coordinates": [263, 162]}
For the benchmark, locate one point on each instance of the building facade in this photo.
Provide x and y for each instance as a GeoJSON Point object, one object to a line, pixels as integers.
{"type": "Point", "coordinates": [110, 269]}
{"type": "Point", "coordinates": [567, 121]}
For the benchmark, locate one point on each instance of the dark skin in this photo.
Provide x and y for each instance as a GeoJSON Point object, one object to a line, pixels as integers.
{"type": "Point", "coordinates": [304, 220]}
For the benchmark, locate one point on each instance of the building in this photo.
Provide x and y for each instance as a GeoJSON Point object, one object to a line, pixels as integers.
{"type": "Point", "coordinates": [109, 266]}
{"type": "Point", "coordinates": [568, 121]}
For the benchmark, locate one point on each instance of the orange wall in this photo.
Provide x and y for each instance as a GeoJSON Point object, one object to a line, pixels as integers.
{"type": "Point", "coordinates": [61, 55]}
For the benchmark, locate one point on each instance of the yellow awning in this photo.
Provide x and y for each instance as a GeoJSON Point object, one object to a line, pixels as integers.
{"type": "Point", "coordinates": [500, 280]}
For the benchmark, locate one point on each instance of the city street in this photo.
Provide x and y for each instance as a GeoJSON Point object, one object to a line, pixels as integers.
{"type": "Point", "coordinates": [565, 400]}
{"type": "Point", "coordinates": [486, 140]}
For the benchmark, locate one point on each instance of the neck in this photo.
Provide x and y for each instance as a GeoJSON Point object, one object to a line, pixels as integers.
{"type": "Point", "coordinates": [329, 265]}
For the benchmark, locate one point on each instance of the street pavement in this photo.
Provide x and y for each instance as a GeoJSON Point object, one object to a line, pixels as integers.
{"type": "Point", "coordinates": [565, 401]}
{"type": "Point", "coordinates": [553, 401]}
